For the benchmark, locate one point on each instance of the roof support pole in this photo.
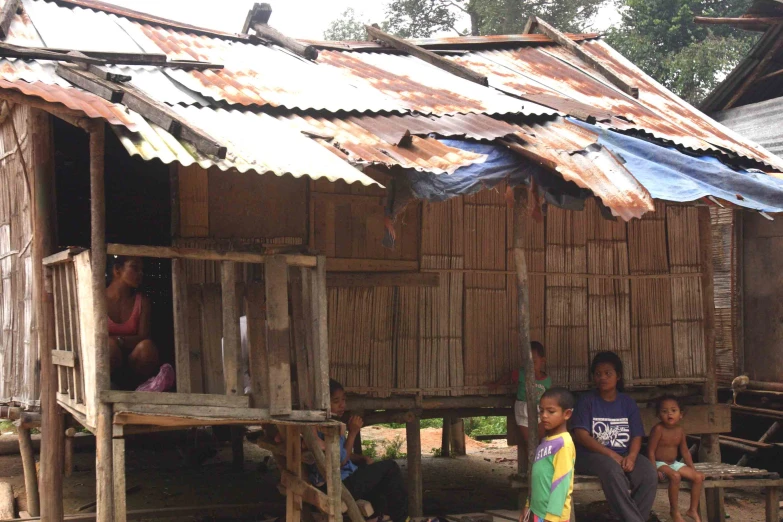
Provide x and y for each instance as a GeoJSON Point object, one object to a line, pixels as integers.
{"type": "Point", "coordinates": [710, 443]}
{"type": "Point", "coordinates": [51, 481]}
{"type": "Point", "coordinates": [523, 326]}
{"type": "Point", "coordinates": [104, 469]}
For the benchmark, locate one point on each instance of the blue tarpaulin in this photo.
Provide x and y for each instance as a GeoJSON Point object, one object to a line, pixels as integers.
{"type": "Point", "coordinates": [672, 175]}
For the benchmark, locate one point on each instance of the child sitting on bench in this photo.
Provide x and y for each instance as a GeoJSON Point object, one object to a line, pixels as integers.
{"type": "Point", "coordinates": [667, 439]}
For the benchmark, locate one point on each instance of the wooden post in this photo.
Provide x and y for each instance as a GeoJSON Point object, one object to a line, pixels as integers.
{"type": "Point", "coordinates": [415, 490]}
{"type": "Point", "coordinates": [709, 450]}
{"type": "Point", "coordinates": [293, 443]}
{"type": "Point", "coordinates": [772, 504]}
{"type": "Point", "coordinates": [238, 447]}
{"type": "Point", "coordinates": [257, 354]}
{"type": "Point", "coordinates": [278, 336]}
{"type": "Point", "coordinates": [103, 437]}
{"type": "Point", "coordinates": [118, 451]}
{"type": "Point", "coordinates": [30, 475]}
{"type": "Point", "coordinates": [70, 433]}
{"type": "Point", "coordinates": [304, 376]}
{"type": "Point", "coordinates": [445, 440]}
{"type": "Point", "coordinates": [179, 294]}
{"type": "Point", "coordinates": [457, 430]}
{"type": "Point", "coordinates": [523, 318]}
{"type": "Point", "coordinates": [318, 299]}
{"type": "Point", "coordinates": [51, 483]}
{"type": "Point", "coordinates": [334, 483]}
{"type": "Point", "coordinates": [232, 341]}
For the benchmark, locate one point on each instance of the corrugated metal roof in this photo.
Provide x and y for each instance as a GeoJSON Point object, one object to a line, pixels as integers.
{"type": "Point", "coordinates": [256, 142]}
{"type": "Point", "coordinates": [449, 42]}
{"type": "Point", "coordinates": [577, 158]}
{"type": "Point", "coordinates": [552, 70]}
{"type": "Point", "coordinates": [759, 122]}
{"type": "Point", "coordinates": [473, 126]}
{"type": "Point", "coordinates": [424, 88]}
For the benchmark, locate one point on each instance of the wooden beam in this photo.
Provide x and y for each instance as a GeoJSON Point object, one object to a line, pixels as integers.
{"type": "Point", "coordinates": [273, 35]}
{"type": "Point", "coordinates": [91, 83]}
{"type": "Point", "coordinates": [320, 334]}
{"type": "Point", "coordinates": [334, 483]}
{"type": "Point", "coordinates": [202, 254]}
{"type": "Point", "coordinates": [30, 473]}
{"type": "Point", "coordinates": [179, 294]}
{"type": "Point", "coordinates": [174, 399]}
{"type": "Point", "coordinates": [558, 37]}
{"type": "Point", "coordinates": [375, 279]}
{"type": "Point", "coordinates": [258, 14]}
{"type": "Point", "coordinates": [429, 403]}
{"type": "Point", "coordinates": [415, 488]}
{"type": "Point", "coordinates": [309, 494]}
{"type": "Point", "coordinates": [15, 51]}
{"type": "Point", "coordinates": [51, 486]}
{"type": "Point", "coordinates": [370, 265]}
{"type": "Point", "coordinates": [427, 56]}
{"type": "Point", "coordinates": [257, 353]}
{"type": "Point", "coordinates": [181, 415]}
{"type": "Point", "coordinates": [278, 336]}
{"type": "Point", "coordinates": [232, 343]}
{"type": "Point", "coordinates": [107, 75]}
{"type": "Point", "coordinates": [7, 16]}
{"type": "Point", "coordinates": [118, 465]}
{"type": "Point", "coordinates": [296, 492]}
{"type": "Point", "coordinates": [757, 71]}
{"type": "Point", "coordinates": [63, 358]}
{"type": "Point", "coordinates": [104, 449]}
{"type": "Point", "coordinates": [762, 23]}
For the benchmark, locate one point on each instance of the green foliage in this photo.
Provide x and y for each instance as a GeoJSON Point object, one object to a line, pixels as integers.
{"type": "Point", "coordinates": [7, 427]}
{"type": "Point", "coordinates": [660, 37]}
{"type": "Point", "coordinates": [349, 26]}
{"type": "Point", "coordinates": [437, 452]}
{"type": "Point", "coordinates": [485, 426]}
{"type": "Point", "coordinates": [370, 449]}
{"type": "Point", "coordinates": [393, 449]}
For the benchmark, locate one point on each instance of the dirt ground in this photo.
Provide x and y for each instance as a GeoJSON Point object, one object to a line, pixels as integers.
{"type": "Point", "coordinates": [477, 482]}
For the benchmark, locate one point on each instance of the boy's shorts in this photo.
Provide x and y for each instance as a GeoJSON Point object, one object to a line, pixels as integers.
{"type": "Point", "coordinates": [677, 465]}
{"type": "Point", "coordinates": [520, 413]}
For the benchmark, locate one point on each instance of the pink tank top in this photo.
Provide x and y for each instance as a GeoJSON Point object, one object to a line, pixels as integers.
{"type": "Point", "coordinates": [131, 326]}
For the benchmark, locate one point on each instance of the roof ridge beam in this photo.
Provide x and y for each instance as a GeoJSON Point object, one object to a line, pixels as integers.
{"type": "Point", "coordinates": [748, 23]}
{"type": "Point", "coordinates": [257, 19]}
{"type": "Point", "coordinates": [427, 56]}
{"type": "Point", "coordinates": [561, 39]}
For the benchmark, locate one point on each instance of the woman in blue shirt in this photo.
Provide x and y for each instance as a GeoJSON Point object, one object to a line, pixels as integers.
{"type": "Point", "coordinates": [608, 433]}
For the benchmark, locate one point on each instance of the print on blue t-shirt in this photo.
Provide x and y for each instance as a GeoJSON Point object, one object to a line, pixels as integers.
{"type": "Point", "coordinates": [612, 424]}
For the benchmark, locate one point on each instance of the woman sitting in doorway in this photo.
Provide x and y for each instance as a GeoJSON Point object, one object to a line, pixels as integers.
{"type": "Point", "coordinates": [134, 357]}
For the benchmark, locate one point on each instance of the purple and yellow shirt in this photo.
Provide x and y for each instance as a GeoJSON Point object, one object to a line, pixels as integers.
{"type": "Point", "coordinates": [553, 478]}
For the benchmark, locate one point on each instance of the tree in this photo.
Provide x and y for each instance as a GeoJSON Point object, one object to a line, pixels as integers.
{"type": "Point", "coordinates": [660, 37]}
{"type": "Point", "coordinates": [349, 26]}
{"type": "Point", "coordinates": [422, 18]}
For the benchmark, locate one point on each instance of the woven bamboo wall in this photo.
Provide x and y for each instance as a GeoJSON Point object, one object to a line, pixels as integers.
{"type": "Point", "coordinates": [18, 347]}
{"type": "Point", "coordinates": [595, 285]}
{"type": "Point", "coordinates": [728, 319]}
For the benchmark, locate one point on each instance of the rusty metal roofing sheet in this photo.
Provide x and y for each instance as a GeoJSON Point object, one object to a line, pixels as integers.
{"type": "Point", "coordinates": [574, 153]}
{"type": "Point", "coordinates": [259, 75]}
{"type": "Point", "coordinates": [474, 126]}
{"type": "Point", "coordinates": [424, 88]}
{"type": "Point", "coordinates": [552, 70]}
{"type": "Point", "coordinates": [257, 142]}
{"type": "Point", "coordinates": [363, 147]}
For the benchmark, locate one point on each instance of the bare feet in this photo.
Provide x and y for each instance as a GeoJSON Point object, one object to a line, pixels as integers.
{"type": "Point", "coordinates": [694, 514]}
{"type": "Point", "coordinates": [676, 517]}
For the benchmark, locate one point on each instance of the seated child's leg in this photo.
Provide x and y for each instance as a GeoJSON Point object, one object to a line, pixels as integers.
{"type": "Point", "coordinates": [674, 491]}
{"type": "Point", "coordinates": [697, 479]}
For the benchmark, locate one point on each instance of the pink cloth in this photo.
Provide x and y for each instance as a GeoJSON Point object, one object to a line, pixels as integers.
{"type": "Point", "coordinates": [162, 382]}
{"type": "Point", "coordinates": [131, 326]}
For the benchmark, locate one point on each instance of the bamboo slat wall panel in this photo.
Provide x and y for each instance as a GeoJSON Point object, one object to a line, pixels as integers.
{"type": "Point", "coordinates": [566, 296]}
{"type": "Point", "coordinates": [651, 299]}
{"type": "Point", "coordinates": [727, 317]}
{"type": "Point", "coordinates": [609, 300]}
{"type": "Point", "coordinates": [687, 308]}
{"type": "Point", "coordinates": [18, 346]}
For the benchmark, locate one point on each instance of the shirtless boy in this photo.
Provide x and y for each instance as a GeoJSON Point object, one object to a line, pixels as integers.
{"type": "Point", "coordinates": [667, 439]}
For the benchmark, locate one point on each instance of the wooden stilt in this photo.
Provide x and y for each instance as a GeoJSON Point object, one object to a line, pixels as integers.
{"type": "Point", "coordinates": [51, 483]}
{"type": "Point", "coordinates": [320, 335]}
{"type": "Point", "coordinates": [445, 441]}
{"type": "Point", "coordinates": [118, 451]}
{"type": "Point", "coordinates": [415, 489]}
{"type": "Point", "coordinates": [458, 437]}
{"type": "Point", "coordinates": [772, 504]}
{"type": "Point", "coordinates": [103, 436]}
{"type": "Point", "coordinates": [334, 483]}
{"type": "Point", "coordinates": [278, 336]}
{"type": "Point", "coordinates": [523, 306]}
{"type": "Point", "coordinates": [30, 475]}
{"type": "Point", "coordinates": [70, 433]}
{"type": "Point", "coordinates": [293, 442]}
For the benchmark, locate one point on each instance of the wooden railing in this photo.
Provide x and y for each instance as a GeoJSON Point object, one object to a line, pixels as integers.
{"type": "Point", "coordinates": [207, 344]}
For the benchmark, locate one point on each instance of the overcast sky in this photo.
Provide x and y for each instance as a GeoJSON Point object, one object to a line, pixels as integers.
{"type": "Point", "coordinates": [296, 18]}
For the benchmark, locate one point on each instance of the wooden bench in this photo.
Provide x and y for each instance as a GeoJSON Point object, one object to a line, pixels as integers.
{"type": "Point", "coordinates": [717, 476]}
